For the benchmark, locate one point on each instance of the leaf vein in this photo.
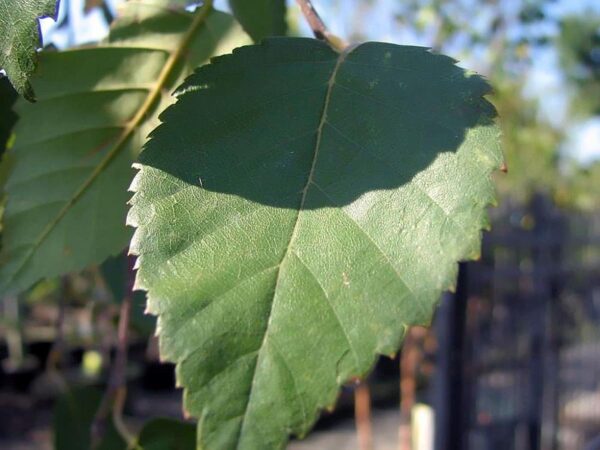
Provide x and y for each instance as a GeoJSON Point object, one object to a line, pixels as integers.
{"type": "Point", "coordinates": [333, 310]}
{"type": "Point", "coordinates": [386, 258]}
{"type": "Point", "coordinates": [132, 125]}
{"type": "Point", "coordinates": [322, 121]}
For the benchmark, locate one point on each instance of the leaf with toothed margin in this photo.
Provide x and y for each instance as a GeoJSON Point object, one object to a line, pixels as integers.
{"type": "Point", "coordinates": [296, 210]}
{"type": "Point", "coordinates": [67, 190]}
{"type": "Point", "coordinates": [20, 38]}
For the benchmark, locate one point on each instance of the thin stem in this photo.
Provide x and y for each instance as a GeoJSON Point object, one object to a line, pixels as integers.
{"type": "Point", "coordinates": [14, 339]}
{"type": "Point", "coordinates": [56, 352]}
{"type": "Point", "coordinates": [114, 396]}
{"type": "Point", "coordinates": [409, 361]}
{"type": "Point", "coordinates": [362, 416]}
{"type": "Point", "coordinates": [116, 391]}
{"type": "Point", "coordinates": [319, 28]}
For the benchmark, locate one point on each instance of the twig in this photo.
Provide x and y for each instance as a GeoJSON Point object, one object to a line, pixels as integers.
{"type": "Point", "coordinates": [115, 394]}
{"type": "Point", "coordinates": [362, 416]}
{"type": "Point", "coordinates": [56, 352]}
{"type": "Point", "coordinates": [116, 391]}
{"type": "Point", "coordinates": [409, 361]}
{"type": "Point", "coordinates": [14, 337]}
{"type": "Point", "coordinates": [319, 28]}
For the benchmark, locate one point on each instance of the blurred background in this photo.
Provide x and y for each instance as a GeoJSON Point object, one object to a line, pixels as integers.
{"type": "Point", "coordinates": [513, 358]}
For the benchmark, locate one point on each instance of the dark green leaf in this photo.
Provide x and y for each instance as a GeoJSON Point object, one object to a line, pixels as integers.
{"type": "Point", "coordinates": [7, 117]}
{"type": "Point", "coordinates": [67, 192]}
{"type": "Point", "coordinates": [116, 273]}
{"type": "Point", "coordinates": [167, 434]}
{"type": "Point", "coordinates": [73, 416]}
{"type": "Point", "coordinates": [20, 38]}
{"type": "Point", "coordinates": [295, 212]}
{"type": "Point", "coordinates": [261, 18]}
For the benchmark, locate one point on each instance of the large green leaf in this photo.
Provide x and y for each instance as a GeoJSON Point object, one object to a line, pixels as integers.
{"type": "Point", "coordinates": [67, 192]}
{"type": "Point", "coordinates": [295, 212]}
{"type": "Point", "coordinates": [261, 18]}
{"type": "Point", "coordinates": [19, 29]}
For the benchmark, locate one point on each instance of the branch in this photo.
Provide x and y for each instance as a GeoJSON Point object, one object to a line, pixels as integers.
{"type": "Point", "coordinates": [409, 362]}
{"type": "Point", "coordinates": [319, 28]}
{"type": "Point", "coordinates": [14, 337]}
{"type": "Point", "coordinates": [362, 415]}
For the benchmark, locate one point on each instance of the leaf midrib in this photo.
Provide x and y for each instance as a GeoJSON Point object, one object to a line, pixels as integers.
{"type": "Point", "coordinates": [132, 125]}
{"type": "Point", "coordinates": [322, 122]}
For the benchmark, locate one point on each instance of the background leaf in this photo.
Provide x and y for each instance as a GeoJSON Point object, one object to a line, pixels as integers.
{"type": "Point", "coordinates": [7, 116]}
{"type": "Point", "coordinates": [116, 274]}
{"type": "Point", "coordinates": [167, 434]}
{"type": "Point", "coordinates": [261, 18]}
{"type": "Point", "coordinates": [67, 192]}
{"type": "Point", "coordinates": [73, 416]}
{"type": "Point", "coordinates": [315, 205]}
{"type": "Point", "coordinates": [21, 38]}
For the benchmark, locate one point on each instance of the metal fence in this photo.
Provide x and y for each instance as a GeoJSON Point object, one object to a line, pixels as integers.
{"type": "Point", "coordinates": [522, 337]}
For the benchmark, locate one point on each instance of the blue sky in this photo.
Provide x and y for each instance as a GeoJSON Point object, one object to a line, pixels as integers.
{"type": "Point", "coordinates": [544, 79]}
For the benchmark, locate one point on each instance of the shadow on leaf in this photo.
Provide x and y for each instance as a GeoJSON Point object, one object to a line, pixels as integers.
{"type": "Point", "coordinates": [290, 117]}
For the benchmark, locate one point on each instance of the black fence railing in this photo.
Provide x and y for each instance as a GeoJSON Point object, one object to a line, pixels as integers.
{"type": "Point", "coordinates": [522, 337]}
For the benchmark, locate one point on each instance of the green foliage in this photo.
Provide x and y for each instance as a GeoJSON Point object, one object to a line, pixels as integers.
{"type": "Point", "coordinates": [75, 410]}
{"type": "Point", "coordinates": [579, 47]}
{"type": "Point", "coordinates": [313, 207]}
{"type": "Point", "coordinates": [73, 416]}
{"type": "Point", "coordinates": [260, 18]}
{"type": "Point", "coordinates": [166, 434]}
{"type": "Point", "coordinates": [580, 190]}
{"type": "Point", "coordinates": [296, 210]}
{"type": "Point", "coordinates": [530, 147]}
{"type": "Point", "coordinates": [67, 192]}
{"type": "Point", "coordinates": [19, 29]}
